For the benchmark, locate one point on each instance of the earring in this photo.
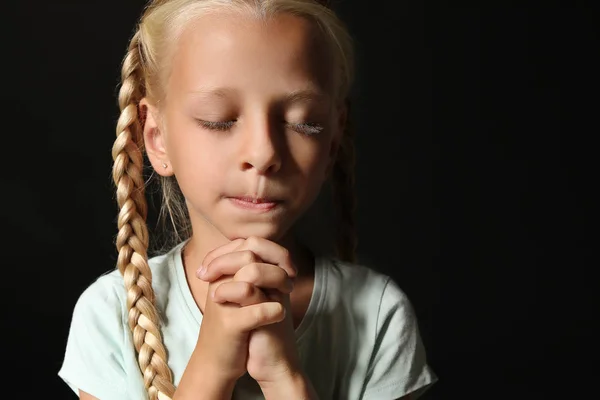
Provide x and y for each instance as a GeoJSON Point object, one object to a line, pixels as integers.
{"type": "Point", "coordinates": [164, 165]}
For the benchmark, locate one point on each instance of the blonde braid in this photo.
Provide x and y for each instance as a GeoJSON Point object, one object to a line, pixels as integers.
{"type": "Point", "coordinates": [344, 195]}
{"type": "Point", "coordinates": [132, 238]}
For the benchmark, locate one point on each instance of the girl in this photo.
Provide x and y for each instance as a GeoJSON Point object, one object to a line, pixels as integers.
{"type": "Point", "coordinates": [240, 107]}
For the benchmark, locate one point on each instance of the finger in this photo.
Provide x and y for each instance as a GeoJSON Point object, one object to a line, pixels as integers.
{"type": "Point", "coordinates": [270, 252]}
{"type": "Point", "coordinates": [265, 276]}
{"type": "Point", "coordinates": [216, 252]}
{"type": "Point", "coordinates": [242, 293]}
{"type": "Point", "coordinates": [257, 315]}
{"type": "Point", "coordinates": [227, 264]}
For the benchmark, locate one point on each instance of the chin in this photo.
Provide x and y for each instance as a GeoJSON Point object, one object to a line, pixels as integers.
{"type": "Point", "coordinates": [267, 231]}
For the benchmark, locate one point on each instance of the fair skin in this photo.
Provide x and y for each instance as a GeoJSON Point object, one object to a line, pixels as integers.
{"type": "Point", "coordinates": [249, 111]}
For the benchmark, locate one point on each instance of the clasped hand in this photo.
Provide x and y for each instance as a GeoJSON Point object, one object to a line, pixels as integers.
{"type": "Point", "coordinates": [247, 323]}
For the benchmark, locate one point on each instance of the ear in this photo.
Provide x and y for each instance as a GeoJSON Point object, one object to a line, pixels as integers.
{"type": "Point", "coordinates": [341, 119]}
{"type": "Point", "coordinates": [154, 139]}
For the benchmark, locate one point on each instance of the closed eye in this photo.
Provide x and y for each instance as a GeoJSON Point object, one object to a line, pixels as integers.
{"type": "Point", "coordinates": [216, 125]}
{"type": "Point", "coordinates": [305, 128]}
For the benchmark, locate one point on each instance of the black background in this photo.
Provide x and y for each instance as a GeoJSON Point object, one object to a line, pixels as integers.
{"type": "Point", "coordinates": [475, 178]}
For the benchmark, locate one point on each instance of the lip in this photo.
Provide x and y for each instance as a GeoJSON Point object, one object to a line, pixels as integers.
{"type": "Point", "coordinates": [255, 204]}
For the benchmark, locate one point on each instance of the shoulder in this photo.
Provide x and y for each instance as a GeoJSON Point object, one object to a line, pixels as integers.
{"type": "Point", "coordinates": [101, 308]}
{"type": "Point", "coordinates": [99, 354]}
{"type": "Point", "coordinates": [95, 343]}
{"type": "Point", "coordinates": [362, 284]}
{"type": "Point", "coordinates": [352, 273]}
{"type": "Point", "coordinates": [365, 293]}
{"type": "Point", "coordinates": [383, 329]}
{"type": "Point", "coordinates": [108, 290]}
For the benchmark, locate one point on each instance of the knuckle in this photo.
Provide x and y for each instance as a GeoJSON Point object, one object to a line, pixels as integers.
{"type": "Point", "coordinates": [219, 292]}
{"type": "Point", "coordinates": [286, 255]}
{"type": "Point", "coordinates": [246, 289]}
{"type": "Point", "coordinates": [252, 241]}
{"type": "Point", "coordinates": [286, 259]}
{"type": "Point", "coordinates": [279, 275]}
{"type": "Point", "coordinates": [268, 313]}
{"type": "Point", "coordinates": [249, 273]}
{"type": "Point", "coordinates": [282, 274]}
{"type": "Point", "coordinates": [253, 272]}
{"type": "Point", "coordinates": [260, 315]}
{"type": "Point", "coordinates": [249, 256]}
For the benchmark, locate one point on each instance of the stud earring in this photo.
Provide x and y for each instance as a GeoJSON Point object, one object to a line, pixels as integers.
{"type": "Point", "coordinates": [164, 165]}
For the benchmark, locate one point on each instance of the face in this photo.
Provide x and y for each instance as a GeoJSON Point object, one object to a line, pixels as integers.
{"type": "Point", "coordinates": [249, 115]}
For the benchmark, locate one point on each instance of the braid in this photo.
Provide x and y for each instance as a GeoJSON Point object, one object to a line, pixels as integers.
{"type": "Point", "coordinates": [344, 196]}
{"type": "Point", "coordinates": [132, 238]}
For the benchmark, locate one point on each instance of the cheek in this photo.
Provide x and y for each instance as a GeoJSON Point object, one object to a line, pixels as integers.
{"type": "Point", "coordinates": [312, 159]}
{"type": "Point", "coordinates": [196, 157]}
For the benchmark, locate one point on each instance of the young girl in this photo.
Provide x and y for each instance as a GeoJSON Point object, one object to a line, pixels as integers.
{"type": "Point", "coordinates": [241, 109]}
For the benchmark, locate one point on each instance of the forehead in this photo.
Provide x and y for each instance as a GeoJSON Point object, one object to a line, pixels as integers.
{"type": "Point", "coordinates": [283, 53]}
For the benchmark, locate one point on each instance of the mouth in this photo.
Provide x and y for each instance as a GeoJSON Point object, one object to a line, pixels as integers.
{"type": "Point", "coordinates": [256, 200]}
{"type": "Point", "coordinates": [255, 203]}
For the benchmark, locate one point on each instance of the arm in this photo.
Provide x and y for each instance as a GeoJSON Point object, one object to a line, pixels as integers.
{"type": "Point", "coordinates": [94, 366]}
{"type": "Point", "coordinates": [398, 366]}
{"type": "Point", "coordinates": [297, 393]}
{"type": "Point", "coordinates": [299, 388]}
{"type": "Point", "coordinates": [197, 378]}
{"type": "Point", "coordinates": [293, 386]}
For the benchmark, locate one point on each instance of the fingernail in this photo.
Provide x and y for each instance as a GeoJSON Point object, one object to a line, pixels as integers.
{"type": "Point", "coordinates": [200, 273]}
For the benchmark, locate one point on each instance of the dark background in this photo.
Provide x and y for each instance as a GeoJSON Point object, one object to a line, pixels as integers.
{"type": "Point", "coordinates": [475, 175]}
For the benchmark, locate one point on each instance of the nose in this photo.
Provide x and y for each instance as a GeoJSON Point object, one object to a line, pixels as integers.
{"type": "Point", "coordinates": [261, 149]}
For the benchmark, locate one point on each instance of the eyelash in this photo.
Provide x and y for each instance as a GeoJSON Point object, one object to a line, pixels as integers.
{"type": "Point", "coordinates": [306, 128]}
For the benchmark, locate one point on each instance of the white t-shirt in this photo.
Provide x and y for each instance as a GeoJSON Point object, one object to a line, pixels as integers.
{"type": "Point", "coordinates": [358, 340]}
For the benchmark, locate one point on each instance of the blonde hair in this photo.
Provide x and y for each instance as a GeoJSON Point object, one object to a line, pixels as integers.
{"type": "Point", "coordinates": [143, 75]}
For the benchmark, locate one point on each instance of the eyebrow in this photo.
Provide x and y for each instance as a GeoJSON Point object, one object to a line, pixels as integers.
{"type": "Point", "coordinates": [296, 96]}
{"type": "Point", "coordinates": [305, 96]}
{"type": "Point", "coordinates": [214, 92]}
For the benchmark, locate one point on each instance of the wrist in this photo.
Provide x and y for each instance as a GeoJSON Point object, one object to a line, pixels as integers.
{"type": "Point", "coordinates": [292, 386]}
{"type": "Point", "coordinates": [202, 377]}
